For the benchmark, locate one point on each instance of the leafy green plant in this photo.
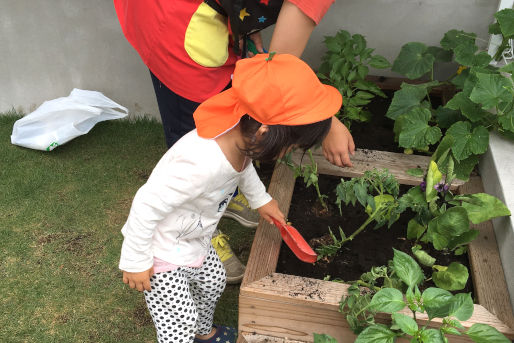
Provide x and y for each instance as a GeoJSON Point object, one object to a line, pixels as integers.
{"type": "Point", "coordinates": [309, 172]}
{"type": "Point", "coordinates": [443, 219]}
{"type": "Point", "coordinates": [435, 302]}
{"type": "Point", "coordinates": [504, 26]}
{"type": "Point", "coordinates": [323, 338]}
{"type": "Point", "coordinates": [483, 99]}
{"type": "Point", "coordinates": [330, 249]}
{"type": "Point", "coordinates": [345, 66]}
{"type": "Point", "coordinates": [377, 191]}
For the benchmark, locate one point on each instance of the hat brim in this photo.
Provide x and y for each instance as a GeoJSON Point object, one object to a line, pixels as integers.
{"type": "Point", "coordinates": [222, 112]}
{"type": "Point", "coordinates": [218, 114]}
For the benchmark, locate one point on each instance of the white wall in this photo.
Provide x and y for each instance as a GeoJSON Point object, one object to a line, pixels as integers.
{"type": "Point", "coordinates": [49, 47]}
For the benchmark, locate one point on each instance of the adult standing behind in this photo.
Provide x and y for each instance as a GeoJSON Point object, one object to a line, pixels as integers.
{"type": "Point", "coordinates": [188, 47]}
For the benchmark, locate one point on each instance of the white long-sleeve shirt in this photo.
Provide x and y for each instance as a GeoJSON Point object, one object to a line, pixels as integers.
{"type": "Point", "coordinates": [175, 213]}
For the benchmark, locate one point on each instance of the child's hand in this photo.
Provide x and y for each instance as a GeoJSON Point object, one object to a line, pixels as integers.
{"type": "Point", "coordinates": [271, 210]}
{"type": "Point", "coordinates": [139, 281]}
{"type": "Point", "coordinates": [338, 144]}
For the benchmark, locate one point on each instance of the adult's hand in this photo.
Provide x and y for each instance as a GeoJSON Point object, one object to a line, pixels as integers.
{"type": "Point", "coordinates": [338, 145]}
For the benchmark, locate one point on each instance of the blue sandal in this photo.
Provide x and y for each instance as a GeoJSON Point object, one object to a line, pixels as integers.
{"type": "Point", "coordinates": [224, 334]}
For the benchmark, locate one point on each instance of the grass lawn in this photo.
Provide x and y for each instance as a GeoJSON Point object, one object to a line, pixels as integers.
{"type": "Point", "coordinates": [61, 213]}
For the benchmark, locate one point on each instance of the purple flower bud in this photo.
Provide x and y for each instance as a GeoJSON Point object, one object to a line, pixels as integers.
{"type": "Point", "coordinates": [441, 187]}
{"type": "Point", "coordinates": [423, 186]}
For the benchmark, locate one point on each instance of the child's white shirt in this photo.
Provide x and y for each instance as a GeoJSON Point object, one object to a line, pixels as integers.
{"type": "Point", "coordinates": [175, 213]}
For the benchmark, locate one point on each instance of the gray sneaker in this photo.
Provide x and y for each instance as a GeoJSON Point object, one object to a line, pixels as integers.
{"type": "Point", "coordinates": [234, 268]}
{"type": "Point", "coordinates": [239, 210]}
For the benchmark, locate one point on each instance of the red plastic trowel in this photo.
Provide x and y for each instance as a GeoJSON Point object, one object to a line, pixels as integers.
{"type": "Point", "coordinates": [296, 242]}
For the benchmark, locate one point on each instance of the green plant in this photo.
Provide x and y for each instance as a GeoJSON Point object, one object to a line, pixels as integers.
{"type": "Point", "coordinates": [377, 191]}
{"type": "Point", "coordinates": [330, 249]}
{"type": "Point", "coordinates": [483, 99]}
{"type": "Point", "coordinates": [309, 172]}
{"type": "Point", "coordinates": [504, 26]}
{"type": "Point", "coordinates": [323, 338]}
{"type": "Point", "coordinates": [435, 302]}
{"type": "Point", "coordinates": [443, 219]}
{"type": "Point", "coordinates": [345, 66]}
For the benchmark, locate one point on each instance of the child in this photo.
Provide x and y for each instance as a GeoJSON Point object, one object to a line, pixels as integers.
{"type": "Point", "coordinates": [276, 103]}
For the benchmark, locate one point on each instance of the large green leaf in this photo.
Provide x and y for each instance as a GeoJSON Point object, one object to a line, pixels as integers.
{"type": "Point", "coordinates": [462, 306]}
{"type": "Point", "coordinates": [447, 117]}
{"type": "Point", "coordinates": [483, 333]}
{"type": "Point", "coordinates": [437, 302]}
{"type": "Point", "coordinates": [413, 61]}
{"type": "Point", "coordinates": [407, 269]}
{"type": "Point", "coordinates": [464, 168]}
{"type": "Point", "coordinates": [452, 223]}
{"type": "Point", "coordinates": [407, 324]}
{"type": "Point", "coordinates": [416, 132]}
{"type": "Point", "coordinates": [465, 54]}
{"type": "Point", "coordinates": [432, 336]}
{"type": "Point", "coordinates": [387, 300]}
{"type": "Point", "coordinates": [414, 229]}
{"type": "Point", "coordinates": [434, 176]}
{"type": "Point", "coordinates": [451, 278]}
{"type": "Point", "coordinates": [376, 334]}
{"type": "Point", "coordinates": [490, 90]}
{"type": "Point", "coordinates": [379, 62]}
{"type": "Point", "coordinates": [484, 207]}
{"type": "Point", "coordinates": [507, 121]}
{"type": "Point", "coordinates": [505, 18]}
{"type": "Point", "coordinates": [463, 239]}
{"type": "Point", "coordinates": [423, 257]}
{"type": "Point", "coordinates": [509, 68]}
{"type": "Point", "coordinates": [408, 97]}
{"type": "Point", "coordinates": [469, 109]}
{"type": "Point", "coordinates": [454, 38]}
{"type": "Point", "coordinates": [468, 142]}
{"type": "Point", "coordinates": [440, 54]}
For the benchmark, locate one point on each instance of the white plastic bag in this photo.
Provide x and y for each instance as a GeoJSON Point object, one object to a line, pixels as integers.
{"type": "Point", "coordinates": [58, 121]}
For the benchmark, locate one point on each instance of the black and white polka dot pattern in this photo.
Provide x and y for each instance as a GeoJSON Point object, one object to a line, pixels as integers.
{"type": "Point", "coordinates": [182, 301]}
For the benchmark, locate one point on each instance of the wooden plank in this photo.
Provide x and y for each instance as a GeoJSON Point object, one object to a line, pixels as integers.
{"type": "Point", "coordinates": [365, 160]}
{"type": "Point", "coordinates": [266, 243]}
{"type": "Point", "coordinates": [256, 338]}
{"type": "Point", "coordinates": [282, 305]}
{"type": "Point", "coordinates": [486, 267]}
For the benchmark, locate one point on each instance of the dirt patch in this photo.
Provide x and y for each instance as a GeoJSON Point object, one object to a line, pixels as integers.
{"type": "Point", "coordinates": [370, 248]}
{"type": "Point", "coordinates": [141, 316]}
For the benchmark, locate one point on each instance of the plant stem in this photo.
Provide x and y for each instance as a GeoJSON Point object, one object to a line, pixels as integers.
{"type": "Point", "coordinates": [362, 227]}
{"type": "Point", "coordinates": [316, 185]}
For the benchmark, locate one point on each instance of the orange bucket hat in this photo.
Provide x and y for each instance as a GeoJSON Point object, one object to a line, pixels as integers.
{"type": "Point", "coordinates": [280, 89]}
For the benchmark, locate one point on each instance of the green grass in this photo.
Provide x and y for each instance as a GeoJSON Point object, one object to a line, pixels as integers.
{"type": "Point", "coordinates": [61, 213]}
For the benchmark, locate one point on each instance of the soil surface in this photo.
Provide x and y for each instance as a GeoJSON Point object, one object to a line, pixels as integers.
{"type": "Point", "coordinates": [370, 248]}
{"type": "Point", "coordinates": [376, 134]}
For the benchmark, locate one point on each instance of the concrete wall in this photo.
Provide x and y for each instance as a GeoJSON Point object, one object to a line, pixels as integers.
{"type": "Point", "coordinates": [47, 48]}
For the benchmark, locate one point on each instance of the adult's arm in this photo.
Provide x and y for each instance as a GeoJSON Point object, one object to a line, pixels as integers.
{"type": "Point", "coordinates": [338, 145]}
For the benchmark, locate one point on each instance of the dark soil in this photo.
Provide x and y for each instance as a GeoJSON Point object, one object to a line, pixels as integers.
{"type": "Point", "coordinates": [370, 248]}
{"type": "Point", "coordinates": [376, 134]}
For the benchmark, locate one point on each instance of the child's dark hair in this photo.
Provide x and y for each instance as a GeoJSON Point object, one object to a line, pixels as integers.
{"type": "Point", "coordinates": [280, 137]}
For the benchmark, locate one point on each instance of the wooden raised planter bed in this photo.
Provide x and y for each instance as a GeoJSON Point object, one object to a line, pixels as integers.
{"type": "Point", "coordinates": [275, 307]}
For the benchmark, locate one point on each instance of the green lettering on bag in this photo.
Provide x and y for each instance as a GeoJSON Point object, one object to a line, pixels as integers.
{"type": "Point", "coordinates": [52, 146]}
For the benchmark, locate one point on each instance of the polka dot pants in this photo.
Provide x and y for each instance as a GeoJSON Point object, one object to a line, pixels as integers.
{"type": "Point", "coordinates": [182, 301]}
